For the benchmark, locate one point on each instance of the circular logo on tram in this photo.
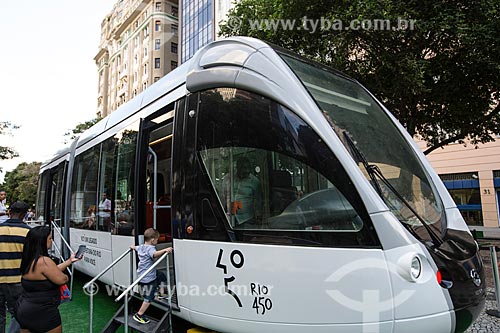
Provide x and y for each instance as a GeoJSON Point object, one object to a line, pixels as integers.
{"type": "Point", "coordinates": [475, 277]}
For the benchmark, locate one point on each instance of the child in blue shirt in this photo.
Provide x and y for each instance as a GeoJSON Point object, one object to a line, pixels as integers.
{"type": "Point", "coordinates": [147, 254]}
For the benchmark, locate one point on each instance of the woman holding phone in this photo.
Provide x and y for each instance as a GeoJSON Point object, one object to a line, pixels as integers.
{"type": "Point", "coordinates": [41, 281]}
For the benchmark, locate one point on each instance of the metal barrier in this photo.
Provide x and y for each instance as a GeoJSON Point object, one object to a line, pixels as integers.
{"type": "Point", "coordinates": [91, 283]}
{"type": "Point", "coordinates": [132, 285]}
{"type": "Point", "coordinates": [496, 282]}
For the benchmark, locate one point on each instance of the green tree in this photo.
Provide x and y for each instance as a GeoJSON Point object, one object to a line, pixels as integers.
{"type": "Point", "coordinates": [440, 79]}
{"type": "Point", "coordinates": [80, 128]}
{"type": "Point", "coordinates": [7, 152]}
{"type": "Point", "coordinates": [22, 182]}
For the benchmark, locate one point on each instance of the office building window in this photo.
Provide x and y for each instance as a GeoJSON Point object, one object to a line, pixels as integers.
{"type": "Point", "coordinates": [157, 25]}
{"type": "Point", "coordinates": [173, 65]}
{"type": "Point", "coordinates": [174, 28]}
{"type": "Point", "coordinates": [196, 26]}
{"type": "Point", "coordinates": [156, 78]}
{"type": "Point", "coordinates": [145, 69]}
{"type": "Point", "coordinates": [158, 6]}
{"type": "Point", "coordinates": [468, 201]}
{"type": "Point", "coordinates": [175, 11]}
{"type": "Point", "coordinates": [144, 85]}
{"type": "Point", "coordinates": [157, 62]}
{"type": "Point", "coordinates": [157, 44]}
{"type": "Point", "coordinates": [173, 47]}
{"type": "Point", "coordinates": [146, 31]}
{"type": "Point", "coordinates": [145, 51]}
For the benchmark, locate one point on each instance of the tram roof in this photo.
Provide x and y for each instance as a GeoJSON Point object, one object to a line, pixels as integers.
{"type": "Point", "coordinates": [238, 62]}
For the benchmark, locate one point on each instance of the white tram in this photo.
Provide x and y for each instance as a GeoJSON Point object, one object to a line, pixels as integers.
{"type": "Point", "coordinates": [294, 200]}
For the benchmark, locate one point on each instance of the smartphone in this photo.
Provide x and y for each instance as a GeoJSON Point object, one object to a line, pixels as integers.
{"type": "Point", "coordinates": [81, 251]}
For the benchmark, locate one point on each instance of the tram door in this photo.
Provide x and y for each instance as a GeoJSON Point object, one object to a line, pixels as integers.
{"type": "Point", "coordinates": [55, 204]}
{"type": "Point", "coordinates": [155, 184]}
{"type": "Point", "coordinates": [56, 194]}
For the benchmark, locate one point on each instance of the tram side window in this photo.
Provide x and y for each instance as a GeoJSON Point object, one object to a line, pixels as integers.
{"type": "Point", "coordinates": [270, 170]}
{"type": "Point", "coordinates": [124, 188]}
{"type": "Point", "coordinates": [105, 213]}
{"type": "Point", "coordinates": [84, 189]}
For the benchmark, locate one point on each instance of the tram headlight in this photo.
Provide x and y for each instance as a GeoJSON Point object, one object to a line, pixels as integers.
{"type": "Point", "coordinates": [415, 268]}
{"type": "Point", "coordinates": [410, 267]}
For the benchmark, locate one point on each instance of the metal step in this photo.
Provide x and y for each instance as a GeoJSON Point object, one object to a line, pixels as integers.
{"type": "Point", "coordinates": [163, 303]}
{"type": "Point", "coordinates": [152, 326]}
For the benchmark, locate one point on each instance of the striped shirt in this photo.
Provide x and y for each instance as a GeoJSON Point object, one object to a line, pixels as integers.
{"type": "Point", "coordinates": [12, 235]}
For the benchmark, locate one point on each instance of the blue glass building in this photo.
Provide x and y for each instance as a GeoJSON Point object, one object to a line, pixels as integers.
{"type": "Point", "coordinates": [197, 26]}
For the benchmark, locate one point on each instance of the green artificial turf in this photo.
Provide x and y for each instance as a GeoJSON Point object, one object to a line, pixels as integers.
{"type": "Point", "coordinates": [75, 314]}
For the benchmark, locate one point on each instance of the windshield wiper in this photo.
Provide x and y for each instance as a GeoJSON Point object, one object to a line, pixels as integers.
{"type": "Point", "coordinates": [374, 172]}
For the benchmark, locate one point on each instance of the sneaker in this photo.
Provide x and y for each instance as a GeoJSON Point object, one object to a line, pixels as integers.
{"type": "Point", "coordinates": [141, 319]}
{"type": "Point", "coordinates": [162, 296]}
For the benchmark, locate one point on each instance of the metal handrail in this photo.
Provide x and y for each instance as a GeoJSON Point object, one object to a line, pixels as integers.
{"type": "Point", "coordinates": [56, 228]}
{"type": "Point", "coordinates": [136, 282]}
{"type": "Point", "coordinates": [61, 257]}
{"type": "Point", "coordinates": [127, 291]}
{"type": "Point", "coordinates": [106, 269]}
{"type": "Point", "coordinates": [91, 283]}
{"type": "Point", "coordinates": [71, 273]}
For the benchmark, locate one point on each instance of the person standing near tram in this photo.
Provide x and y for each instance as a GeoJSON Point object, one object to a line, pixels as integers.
{"type": "Point", "coordinates": [244, 199]}
{"type": "Point", "coordinates": [104, 212]}
{"type": "Point", "coordinates": [13, 233]}
{"type": "Point", "coordinates": [4, 215]}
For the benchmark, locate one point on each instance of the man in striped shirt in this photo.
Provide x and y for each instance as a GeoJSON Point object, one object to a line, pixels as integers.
{"type": "Point", "coordinates": [12, 235]}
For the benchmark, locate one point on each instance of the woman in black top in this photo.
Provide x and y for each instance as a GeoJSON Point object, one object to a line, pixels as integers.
{"type": "Point", "coordinates": [37, 307]}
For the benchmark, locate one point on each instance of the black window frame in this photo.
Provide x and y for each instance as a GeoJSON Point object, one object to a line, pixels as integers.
{"type": "Point", "coordinates": [217, 228]}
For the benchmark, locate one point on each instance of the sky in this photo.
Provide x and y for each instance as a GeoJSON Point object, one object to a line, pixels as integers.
{"type": "Point", "coordinates": [48, 77]}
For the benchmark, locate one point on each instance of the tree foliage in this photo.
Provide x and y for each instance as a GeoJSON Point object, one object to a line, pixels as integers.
{"type": "Point", "coordinates": [22, 183]}
{"type": "Point", "coordinates": [80, 128]}
{"type": "Point", "coordinates": [7, 152]}
{"type": "Point", "coordinates": [441, 79]}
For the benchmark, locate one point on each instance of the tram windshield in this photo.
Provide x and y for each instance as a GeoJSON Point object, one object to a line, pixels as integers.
{"type": "Point", "coordinates": [271, 172]}
{"type": "Point", "coordinates": [352, 112]}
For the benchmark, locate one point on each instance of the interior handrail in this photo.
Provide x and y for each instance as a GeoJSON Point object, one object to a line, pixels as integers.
{"type": "Point", "coordinates": [155, 185]}
{"type": "Point", "coordinates": [88, 284]}
{"type": "Point", "coordinates": [142, 276]}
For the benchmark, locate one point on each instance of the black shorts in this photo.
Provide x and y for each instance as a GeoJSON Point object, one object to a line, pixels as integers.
{"type": "Point", "coordinates": [37, 316]}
